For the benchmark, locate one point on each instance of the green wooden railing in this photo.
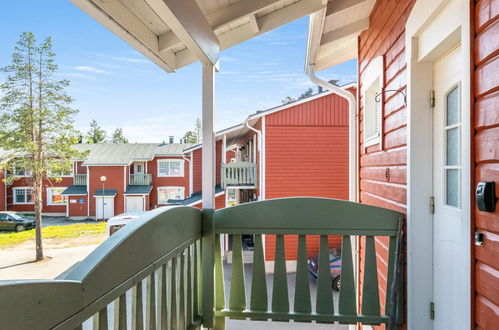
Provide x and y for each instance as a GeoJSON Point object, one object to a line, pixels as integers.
{"type": "Point", "coordinates": [80, 179]}
{"type": "Point", "coordinates": [302, 216]}
{"type": "Point", "coordinates": [239, 174]}
{"type": "Point", "coordinates": [150, 265]}
{"type": "Point", "coordinates": [140, 179]}
{"type": "Point", "coordinates": [165, 271]}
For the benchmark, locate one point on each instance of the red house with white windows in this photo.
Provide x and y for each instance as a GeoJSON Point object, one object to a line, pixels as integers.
{"type": "Point", "coordinates": [296, 149]}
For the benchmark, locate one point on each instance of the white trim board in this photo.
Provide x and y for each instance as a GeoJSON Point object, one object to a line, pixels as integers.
{"type": "Point", "coordinates": [433, 28]}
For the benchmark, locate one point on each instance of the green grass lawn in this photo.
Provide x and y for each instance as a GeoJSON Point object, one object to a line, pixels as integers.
{"type": "Point", "coordinates": [8, 239]}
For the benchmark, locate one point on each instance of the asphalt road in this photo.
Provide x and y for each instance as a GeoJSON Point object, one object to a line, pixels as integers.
{"type": "Point", "coordinates": [60, 221]}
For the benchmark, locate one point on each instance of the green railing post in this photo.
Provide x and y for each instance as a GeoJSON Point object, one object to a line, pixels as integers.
{"type": "Point", "coordinates": [207, 268]}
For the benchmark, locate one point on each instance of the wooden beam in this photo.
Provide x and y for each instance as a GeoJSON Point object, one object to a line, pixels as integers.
{"type": "Point", "coordinates": [266, 23]}
{"type": "Point", "coordinates": [220, 18]}
{"type": "Point", "coordinates": [339, 5]}
{"type": "Point", "coordinates": [119, 20]}
{"type": "Point", "coordinates": [254, 23]}
{"type": "Point", "coordinates": [344, 31]}
{"type": "Point", "coordinates": [189, 24]}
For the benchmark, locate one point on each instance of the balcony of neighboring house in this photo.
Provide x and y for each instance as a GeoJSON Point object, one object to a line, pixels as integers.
{"type": "Point", "coordinates": [240, 175]}
{"type": "Point", "coordinates": [79, 179]}
{"type": "Point", "coordinates": [139, 175]}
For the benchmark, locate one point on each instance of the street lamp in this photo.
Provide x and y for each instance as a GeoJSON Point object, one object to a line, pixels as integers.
{"type": "Point", "coordinates": [103, 180]}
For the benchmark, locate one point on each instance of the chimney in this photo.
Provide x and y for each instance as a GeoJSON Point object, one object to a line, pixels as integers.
{"type": "Point", "coordinates": [319, 89]}
{"type": "Point", "coordinates": [171, 138]}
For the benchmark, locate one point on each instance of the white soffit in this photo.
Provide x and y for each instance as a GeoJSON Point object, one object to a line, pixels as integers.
{"type": "Point", "coordinates": [333, 32]}
{"type": "Point", "coordinates": [175, 33]}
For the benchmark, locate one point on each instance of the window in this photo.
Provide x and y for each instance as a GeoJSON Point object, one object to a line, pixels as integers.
{"type": "Point", "coordinates": [59, 173]}
{"type": "Point", "coordinates": [21, 171]}
{"type": "Point", "coordinates": [55, 197]}
{"type": "Point", "coordinates": [23, 195]}
{"type": "Point", "coordinates": [452, 128]}
{"type": "Point", "coordinates": [166, 193]}
{"type": "Point", "coordinates": [170, 168]}
{"type": "Point", "coordinates": [372, 85]}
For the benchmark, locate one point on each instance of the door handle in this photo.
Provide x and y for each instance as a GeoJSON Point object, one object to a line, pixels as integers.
{"type": "Point", "coordinates": [478, 239]}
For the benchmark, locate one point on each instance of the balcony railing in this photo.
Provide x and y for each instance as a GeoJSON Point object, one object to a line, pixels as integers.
{"type": "Point", "coordinates": [140, 179]}
{"type": "Point", "coordinates": [239, 174]}
{"type": "Point", "coordinates": [164, 270]}
{"type": "Point", "coordinates": [80, 180]}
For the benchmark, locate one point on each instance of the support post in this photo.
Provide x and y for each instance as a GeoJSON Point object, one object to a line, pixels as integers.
{"type": "Point", "coordinates": [209, 159]}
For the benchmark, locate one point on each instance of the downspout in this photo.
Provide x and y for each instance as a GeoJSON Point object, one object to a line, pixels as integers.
{"type": "Point", "coordinates": [260, 172]}
{"type": "Point", "coordinates": [352, 115]}
{"type": "Point", "coordinates": [190, 174]}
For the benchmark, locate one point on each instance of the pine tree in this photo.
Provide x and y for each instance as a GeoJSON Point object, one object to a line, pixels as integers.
{"type": "Point", "coordinates": [118, 136]}
{"type": "Point", "coordinates": [36, 120]}
{"type": "Point", "coordinates": [95, 134]}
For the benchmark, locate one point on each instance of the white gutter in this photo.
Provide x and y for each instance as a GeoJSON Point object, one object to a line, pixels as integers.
{"type": "Point", "coordinates": [262, 155]}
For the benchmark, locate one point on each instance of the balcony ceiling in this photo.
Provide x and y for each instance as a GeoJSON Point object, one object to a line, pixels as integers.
{"type": "Point", "coordinates": [175, 33]}
{"type": "Point", "coordinates": [333, 31]}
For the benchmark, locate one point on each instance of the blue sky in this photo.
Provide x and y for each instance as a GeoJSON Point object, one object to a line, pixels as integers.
{"type": "Point", "coordinates": [117, 86]}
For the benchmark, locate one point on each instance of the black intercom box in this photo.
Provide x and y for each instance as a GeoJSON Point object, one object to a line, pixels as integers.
{"type": "Point", "coordinates": [486, 196]}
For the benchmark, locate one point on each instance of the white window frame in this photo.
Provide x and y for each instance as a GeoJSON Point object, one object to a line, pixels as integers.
{"type": "Point", "coordinates": [181, 161]}
{"type": "Point", "coordinates": [373, 75]}
{"type": "Point", "coordinates": [169, 187]}
{"type": "Point", "coordinates": [49, 199]}
{"type": "Point", "coordinates": [51, 175]}
{"type": "Point", "coordinates": [14, 195]}
{"type": "Point", "coordinates": [26, 172]}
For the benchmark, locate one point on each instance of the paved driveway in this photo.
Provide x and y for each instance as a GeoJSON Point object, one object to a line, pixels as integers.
{"type": "Point", "coordinates": [59, 221]}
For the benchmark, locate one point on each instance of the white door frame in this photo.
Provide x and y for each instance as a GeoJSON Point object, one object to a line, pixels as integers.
{"type": "Point", "coordinates": [433, 28]}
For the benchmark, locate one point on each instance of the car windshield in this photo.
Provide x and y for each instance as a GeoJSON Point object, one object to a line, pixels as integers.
{"type": "Point", "coordinates": [15, 216]}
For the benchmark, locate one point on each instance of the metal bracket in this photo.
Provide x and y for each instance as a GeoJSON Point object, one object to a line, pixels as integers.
{"type": "Point", "coordinates": [377, 97]}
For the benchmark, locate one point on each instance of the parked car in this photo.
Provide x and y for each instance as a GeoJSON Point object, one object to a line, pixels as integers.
{"type": "Point", "coordinates": [119, 221]}
{"type": "Point", "coordinates": [334, 267]}
{"type": "Point", "coordinates": [14, 221]}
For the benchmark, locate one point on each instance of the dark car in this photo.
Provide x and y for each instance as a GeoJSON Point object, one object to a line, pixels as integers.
{"type": "Point", "coordinates": [334, 267]}
{"type": "Point", "coordinates": [14, 221]}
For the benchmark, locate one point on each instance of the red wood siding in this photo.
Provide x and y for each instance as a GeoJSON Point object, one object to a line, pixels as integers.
{"type": "Point", "coordinates": [383, 173]}
{"type": "Point", "coordinates": [77, 209]}
{"type": "Point", "coordinates": [486, 140]}
{"type": "Point", "coordinates": [22, 182]}
{"type": "Point", "coordinates": [114, 180]}
{"type": "Point", "coordinates": [307, 155]}
{"type": "Point", "coordinates": [198, 166]}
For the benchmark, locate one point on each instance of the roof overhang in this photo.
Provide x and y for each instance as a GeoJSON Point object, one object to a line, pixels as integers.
{"type": "Point", "coordinates": [333, 32]}
{"type": "Point", "coordinates": [174, 33]}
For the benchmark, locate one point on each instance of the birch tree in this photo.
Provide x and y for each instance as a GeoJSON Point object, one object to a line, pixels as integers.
{"type": "Point", "coordinates": [36, 121]}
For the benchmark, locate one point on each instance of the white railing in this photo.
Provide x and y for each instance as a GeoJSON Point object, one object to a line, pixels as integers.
{"type": "Point", "coordinates": [239, 174]}
{"type": "Point", "coordinates": [140, 179]}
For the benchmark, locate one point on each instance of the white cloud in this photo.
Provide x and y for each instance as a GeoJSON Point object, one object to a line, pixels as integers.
{"type": "Point", "coordinates": [91, 69]}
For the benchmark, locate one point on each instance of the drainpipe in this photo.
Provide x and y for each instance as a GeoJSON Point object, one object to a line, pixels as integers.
{"type": "Point", "coordinates": [352, 115]}
{"type": "Point", "coordinates": [353, 153]}
{"type": "Point", "coordinates": [190, 174]}
{"type": "Point", "coordinates": [260, 172]}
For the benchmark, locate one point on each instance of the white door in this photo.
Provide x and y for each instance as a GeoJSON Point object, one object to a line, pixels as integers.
{"type": "Point", "coordinates": [134, 204]}
{"type": "Point", "coordinates": [449, 257]}
{"type": "Point", "coordinates": [104, 207]}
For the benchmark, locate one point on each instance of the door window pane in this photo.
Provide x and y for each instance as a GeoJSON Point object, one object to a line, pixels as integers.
{"type": "Point", "coordinates": [453, 146]}
{"type": "Point", "coordinates": [453, 106]}
{"type": "Point", "coordinates": [452, 187]}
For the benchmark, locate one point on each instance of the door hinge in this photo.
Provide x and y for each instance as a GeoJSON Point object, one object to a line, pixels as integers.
{"type": "Point", "coordinates": [432, 311]}
{"type": "Point", "coordinates": [432, 205]}
{"type": "Point", "coordinates": [432, 98]}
